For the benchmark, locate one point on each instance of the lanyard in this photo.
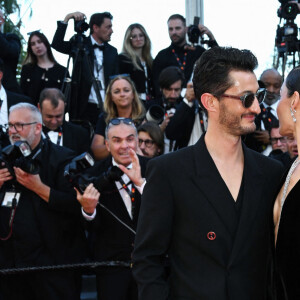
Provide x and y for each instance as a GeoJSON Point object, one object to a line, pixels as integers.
{"type": "Point", "coordinates": [181, 64]}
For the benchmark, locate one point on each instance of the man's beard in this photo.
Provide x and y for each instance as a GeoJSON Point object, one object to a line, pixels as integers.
{"type": "Point", "coordinates": [232, 123]}
{"type": "Point", "coordinates": [29, 139]}
{"type": "Point", "coordinates": [271, 98]}
{"type": "Point", "coordinates": [179, 41]}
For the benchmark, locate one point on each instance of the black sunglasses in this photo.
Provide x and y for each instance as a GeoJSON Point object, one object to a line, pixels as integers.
{"type": "Point", "coordinates": [248, 98]}
{"type": "Point", "coordinates": [118, 121]}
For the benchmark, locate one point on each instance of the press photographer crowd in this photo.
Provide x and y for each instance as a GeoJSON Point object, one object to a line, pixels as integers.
{"type": "Point", "coordinates": [172, 177]}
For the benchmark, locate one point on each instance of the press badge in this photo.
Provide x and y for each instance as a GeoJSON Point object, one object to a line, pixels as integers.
{"type": "Point", "coordinates": [8, 199]}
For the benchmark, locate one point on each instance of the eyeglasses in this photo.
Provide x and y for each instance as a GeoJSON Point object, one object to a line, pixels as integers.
{"type": "Point", "coordinates": [248, 98]}
{"type": "Point", "coordinates": [118, 121]}
{"type": "Point", "coordinates": [148, 143]}
{"type": "Point", "coordinates": [274, 140]}
{"type": "Point", "coordinates": [17, 126]}
{"type": "Point", "coordinates": [137, 36]}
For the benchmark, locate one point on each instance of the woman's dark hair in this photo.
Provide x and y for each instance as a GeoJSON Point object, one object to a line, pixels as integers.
{"type": "Point", "coordinates": [292, 81]}
{"type": "Point", "coordinates": [30, 56]}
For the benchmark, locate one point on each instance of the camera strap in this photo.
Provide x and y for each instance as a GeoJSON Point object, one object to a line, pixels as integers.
{"type": "Point", "coordinates": [14, 203]}
{"type": "Point", "coordinates": [131, 194]}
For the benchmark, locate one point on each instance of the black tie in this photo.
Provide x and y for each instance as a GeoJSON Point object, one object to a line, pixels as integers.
{"type": "Point", "coordinates": [100, 47]}
{"type": "Point", "coordinates": [270, 118]}
{"type": "Point", "coordinates": [46, 129]}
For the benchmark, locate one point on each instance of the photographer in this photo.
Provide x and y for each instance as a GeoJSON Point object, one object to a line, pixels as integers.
{"type": "Point", "coordinates": [39, 215]}
{"type": "Point", "coordinates": [179, 53]}
{"type": "Point", "coordinates": [114, 219]}
{"type": "Point", "coordinates": [95, 60]}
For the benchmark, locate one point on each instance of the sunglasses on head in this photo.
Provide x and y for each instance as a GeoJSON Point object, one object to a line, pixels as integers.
{"type": "Point", "coordinates": [118, 121]}
{"type": "Point", "coordinates": [248, 98]}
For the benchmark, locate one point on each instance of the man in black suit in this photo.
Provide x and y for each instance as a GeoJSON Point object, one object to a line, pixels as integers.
{"type": "Point", "coordinates": [55, 128]}
{"type": "Point", "coordinates": [209, 206]}
{"type": "Point", "coordinates": [95, 60]}
{"type": "Point", "coordinates": [9, 51]}
{"type": "Point", "coordinates": [114, 220]}
{"type": "Point", "coordinates": [39, 216]}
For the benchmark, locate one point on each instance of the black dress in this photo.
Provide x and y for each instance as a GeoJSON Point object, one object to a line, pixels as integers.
{"type": "Point", "coordinates": [141, 78]}
{"type": "Point", "coordinates": [288, 248]}
{"type": "Point", "coordinates": [34, 79]}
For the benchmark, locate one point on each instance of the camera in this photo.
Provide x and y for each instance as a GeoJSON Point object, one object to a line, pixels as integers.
{"type": "Point", "coordinates": [193, 31]}
{"type": "Point", "coordinates": [74, 173]}
{"type": "Point", "coordinates": [155, 114]}
{"type": "Point", "coordinates": [81, 26]}
{"type": "Point", "coordinates": [287, 10]}
{"type": "Point", "coordinates": [17, 155]}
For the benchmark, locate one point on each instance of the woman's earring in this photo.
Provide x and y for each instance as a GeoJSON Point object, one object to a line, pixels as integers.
{"type": "Point", "coordinates": [292, 114]}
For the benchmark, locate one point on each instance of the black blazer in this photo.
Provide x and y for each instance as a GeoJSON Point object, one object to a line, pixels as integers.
{"type": "Point", "coordinates": [187, 212]}
{"type": "Point", "coordinates": [137, 76]}
{"type": "Point", "coordinates": [112, 240]}
{"type": "Point", "coordinates": [81, 91]}
{"type": "Point", "coordinates": [75, 137]}
{"type": "Point", "coordinates": [45, 233]}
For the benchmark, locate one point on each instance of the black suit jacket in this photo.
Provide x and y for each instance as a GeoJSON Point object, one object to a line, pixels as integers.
{"type": "Point", "coordinates": [81, 77]}
{"type": "Point", "coordinates": [45, 233]}
{"type": "Point", "coordinates": [111, 239]}
{"type": "Point", "coordinates": [75, 137]}
{"type": "Point", "coordinates": [187, 212]}
{"type": "Point", "coordinates": [9, 52]}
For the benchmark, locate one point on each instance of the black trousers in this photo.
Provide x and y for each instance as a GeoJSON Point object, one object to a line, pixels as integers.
{"type": "Point", "coordinates": [116, 284]}
{"type": "Point", "coordinates": [45, 285]}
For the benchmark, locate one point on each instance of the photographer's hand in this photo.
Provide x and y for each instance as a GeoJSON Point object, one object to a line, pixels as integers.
{"type": "Point", "coordinates": [89, 199]}
{"type": "Point", "coordinates": [205, 30]}
{"type": "Point", "coordinates": [77, 16]}
{"type": "Point", "coordinates": [135, 172]}
{"type": "Point", "coordinates": [33, 182]}
{"type": "Point", "coordinates": [4, 175]}
{"type": "Point", "coordinates": [189, 94]}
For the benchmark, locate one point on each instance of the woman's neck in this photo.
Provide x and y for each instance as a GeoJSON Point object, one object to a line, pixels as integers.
{"type": "Point", "coordinates": [125, 112]}
{"type": "Point", "coordinates": [44, 62]}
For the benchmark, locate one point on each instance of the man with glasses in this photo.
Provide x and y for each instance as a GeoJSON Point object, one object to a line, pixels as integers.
{"type": "Point", "coordinates": [208, 207]}
{"type": "Point", "coordinates": [113, 217]}
{"type": "Point", "coordinates": [39, 216]}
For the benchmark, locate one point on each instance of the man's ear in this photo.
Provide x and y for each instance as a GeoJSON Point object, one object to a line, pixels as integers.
{"type": "Point", "coordinates": [107, 145]}
{"type": "Point", "coordinates": [210, 102]}
{"type": "Point", "coordinates": [1, 76]}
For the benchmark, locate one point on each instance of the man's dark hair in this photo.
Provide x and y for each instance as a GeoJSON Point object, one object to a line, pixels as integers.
{"type": "Point", "coordinates": [292, 81]}
{"type": "Point", "coordinates": [155, 133]}
{"type": "Point", "coordinates": [1, 65]}
{"type": "Point", "coordinates": [98, 19]}
{"type": "Point", "coordinates": [211, 73]}
{"type": "Point", "coordinates": [170, 75]}
{"type": "Point", "coordinates": [52, 94]}
{"type": "Point", "coordinates": [176, 17]}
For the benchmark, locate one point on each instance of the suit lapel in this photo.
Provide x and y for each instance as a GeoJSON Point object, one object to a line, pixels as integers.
{"type": "Point", "coordinates": [211, 184]}
{"type": "Point", "coordinates": [252, 196]}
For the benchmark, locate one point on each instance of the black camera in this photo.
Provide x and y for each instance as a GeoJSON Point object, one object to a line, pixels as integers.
{"type": "Point", "coordinates": [74, 173]}
{"type": "Point", "coordinates": [17, 155]}
{"type": "Point", "coordinates": [81, 26]}
{"type": "Point", "coordinates": [287, 10]}
{"type": "Point", "coordinates": [193, 31]}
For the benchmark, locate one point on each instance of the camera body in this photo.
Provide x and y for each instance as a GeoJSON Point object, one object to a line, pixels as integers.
{"type": "Point", "coordinates": [16, 155]}
{"type": "Point", "coordinates": [81, 26]}
{"type": "Point", "coordinates": [193, 31]}
{"type": "Point", "coordinates": [75, 169]}
{"type": "Point", "coordinates": [287, 10]}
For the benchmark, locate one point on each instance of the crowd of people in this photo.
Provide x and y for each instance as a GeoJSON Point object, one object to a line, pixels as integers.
{"type": "Point", "coordinates": [216, 218]}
